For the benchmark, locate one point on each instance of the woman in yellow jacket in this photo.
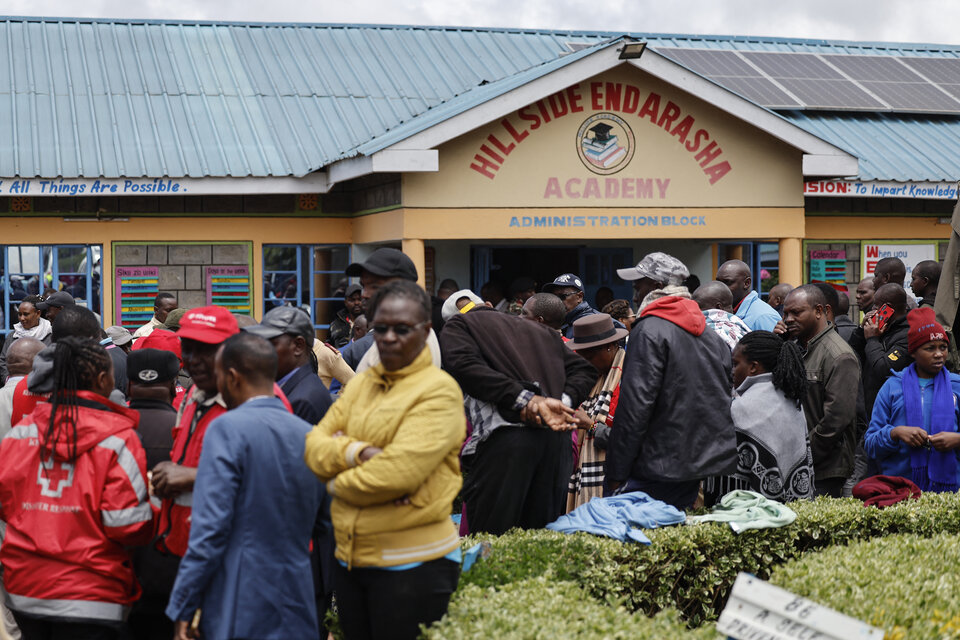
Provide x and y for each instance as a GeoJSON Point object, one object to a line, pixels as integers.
{"type": "Point", "coordinates": [388, 452]}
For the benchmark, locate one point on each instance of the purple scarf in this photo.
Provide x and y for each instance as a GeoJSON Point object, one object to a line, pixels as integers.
{"type": "Point", "coordinates": [932, 470]}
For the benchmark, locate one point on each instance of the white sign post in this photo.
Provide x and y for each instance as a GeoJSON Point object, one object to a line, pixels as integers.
{"type": "Point", "coordinates": [757, 610]}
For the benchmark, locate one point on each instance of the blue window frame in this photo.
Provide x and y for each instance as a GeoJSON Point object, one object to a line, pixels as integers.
{"type": "Point", "coordinates": [763, 258]}
{"type": "Point", "coordinates": [42, 269]}
{"type": "Point", "coordinates": [306, 276]}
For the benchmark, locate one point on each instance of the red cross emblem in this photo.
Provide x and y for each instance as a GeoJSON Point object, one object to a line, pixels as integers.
{"type": "Point", "coordinates": [53, 476]}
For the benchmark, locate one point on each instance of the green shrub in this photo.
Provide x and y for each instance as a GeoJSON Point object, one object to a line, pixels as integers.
{"type": "Point", "coordinates": [544, 607]}
{"type": "Point", "coordinates": [906, 584]}
{"type": "Point", "coordinates": [692, 568]}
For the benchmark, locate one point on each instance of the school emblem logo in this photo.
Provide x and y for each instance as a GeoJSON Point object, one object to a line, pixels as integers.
{"type": "Point", "coordinates": [605, 143]}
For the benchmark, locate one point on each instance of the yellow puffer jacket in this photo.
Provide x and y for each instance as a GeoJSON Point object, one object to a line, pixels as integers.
{"type": "Point", "coordinates": [416, 416]}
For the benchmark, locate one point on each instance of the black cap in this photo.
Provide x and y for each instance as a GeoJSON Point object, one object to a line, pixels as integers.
{"type": "Point", "coordinates": [565, 280]}
{"type": "Point", "coordinates": [352, 289]}
{"type": "Point", "coordinates": [281, 320]}
{"type": "Point", "coordinates": [149, 366]}
{"type": "Point", "coordinates": [386, 262]}
{"type": "Point", "coordinates": [56, 299]}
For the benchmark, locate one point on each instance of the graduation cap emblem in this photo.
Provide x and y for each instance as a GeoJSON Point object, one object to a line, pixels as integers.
{"type": "Point", "coordinates": [605, 143]}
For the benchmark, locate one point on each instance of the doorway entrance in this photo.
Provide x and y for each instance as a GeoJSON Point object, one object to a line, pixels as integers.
{"type": "Point", "coordinates": [596, 267]}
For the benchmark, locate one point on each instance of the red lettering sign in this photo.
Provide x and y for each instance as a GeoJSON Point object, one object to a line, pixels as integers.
{"type": "Point", "coordinates": [612, 97]}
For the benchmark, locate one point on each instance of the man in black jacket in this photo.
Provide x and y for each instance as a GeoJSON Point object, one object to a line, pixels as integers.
{"type": "Point", "coordinates": [882, 349]}
{"type": "Point", "coordinates": [342, 323]}
{"type": "Point", "coordinates": [569, 288]}
{"type": "Point", "coordinates": [841, 318]}
{"type": "Point", "coordinates": [924, 280]}
{"type": "Point", "coordinates": [290, 332]}
{"type": "Point", "coordinates": [151, 380]}
{"type": "Point", "coordinates": [672, 426]}
{"type": "Point", "coordinates": [520, 386]}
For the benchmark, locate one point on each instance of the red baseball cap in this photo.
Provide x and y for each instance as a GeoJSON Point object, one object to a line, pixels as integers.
{"type": "Point", "coordinates": [211, 325]}
{"type": "Point", "coordinates": [160, 339]}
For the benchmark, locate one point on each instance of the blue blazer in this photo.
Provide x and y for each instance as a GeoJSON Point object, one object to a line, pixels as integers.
{"type": "Point", "coordinates": [307, 395]}
{"type": "Point", "coordinates": [254, 504]}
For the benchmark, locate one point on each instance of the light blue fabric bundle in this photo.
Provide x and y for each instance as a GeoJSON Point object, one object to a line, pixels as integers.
{"type": "Point", "coordinates": [615, 517]}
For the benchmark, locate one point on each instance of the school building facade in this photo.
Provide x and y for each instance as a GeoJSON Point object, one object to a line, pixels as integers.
{"type": "Point", "coordinates": [248, 164]}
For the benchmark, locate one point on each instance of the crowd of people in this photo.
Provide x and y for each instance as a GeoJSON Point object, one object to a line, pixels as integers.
{"type": "Point", "coordinates": [212, 476]}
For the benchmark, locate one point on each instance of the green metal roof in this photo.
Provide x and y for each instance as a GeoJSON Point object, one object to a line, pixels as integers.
{"type": "Point", "coordinates": [128, 98]}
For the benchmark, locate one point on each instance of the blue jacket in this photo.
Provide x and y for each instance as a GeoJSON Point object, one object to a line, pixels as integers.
{"type": "Point", "coordinates": [580, 311]}
{"type": "Point", "coordinates": [889, 411]}
{"type": "Point", "coordinates": [352, 354]}
{"type": "Point", "coordinates": [757, 314]}
{"type": "Point", "coordinates": [254, 504]}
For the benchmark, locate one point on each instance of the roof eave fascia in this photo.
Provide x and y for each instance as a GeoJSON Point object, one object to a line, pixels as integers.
{"type": "Point", "coordinates": [820, 158]}
{"type": "Point", "coordinates": [386, 161]}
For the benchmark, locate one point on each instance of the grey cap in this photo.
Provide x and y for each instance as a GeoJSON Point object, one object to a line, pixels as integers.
{"type": "Point", "coordinates": [119, 335]}
{"type": "Point", "coordinates": [659, 267]}
{"type": "Point", "coordinates": [281, 320]}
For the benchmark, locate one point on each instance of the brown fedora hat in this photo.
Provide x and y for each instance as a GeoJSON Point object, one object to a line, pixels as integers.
{"type": "Point", "coordinates": [595, 330]}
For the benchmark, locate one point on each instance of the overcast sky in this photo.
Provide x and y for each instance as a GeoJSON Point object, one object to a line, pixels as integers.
{"type": "Point", "coordinates": [932, 21]}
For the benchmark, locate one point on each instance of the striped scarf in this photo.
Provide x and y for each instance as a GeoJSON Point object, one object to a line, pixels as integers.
{"type": "Point", "coordinates": [586, 482]}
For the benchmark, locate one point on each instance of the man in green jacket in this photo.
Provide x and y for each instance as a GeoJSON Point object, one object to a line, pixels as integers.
{"type": "Point", "coordinates": [833, 377]}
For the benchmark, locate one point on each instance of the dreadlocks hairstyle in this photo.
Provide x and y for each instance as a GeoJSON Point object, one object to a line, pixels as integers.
{"type": "Point", "coordinates": [76, 364]}
{"type": "Point", "coordinates": [782, 359]}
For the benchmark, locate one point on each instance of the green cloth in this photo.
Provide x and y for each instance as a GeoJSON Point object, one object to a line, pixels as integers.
{"type": "Point", "coordinates": [744, 510]}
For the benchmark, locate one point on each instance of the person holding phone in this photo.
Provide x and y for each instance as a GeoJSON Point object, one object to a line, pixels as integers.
{"type": "Point", "coordinates": [881, 341]}
{"type": "Point", "coordinates": [914, 430]}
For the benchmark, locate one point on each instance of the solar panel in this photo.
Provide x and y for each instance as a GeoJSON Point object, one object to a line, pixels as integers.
{"type": "Point", "coordinates": [873, 68]}
{"type": "Point", "coordinates": [952, 89]}
{"type": "Point", "coordinates": [831, 94]}
{"type": "Point", "coordinates": [712, 63]}
{"type": "Point", "coordinates": [939, 70]}
{"type": "Point", "coordinates": [761, 91]}
{"type": "Point", "coordinates": [831, 81]}
{"type": "Point", "coordinates": [792, 65]}
{"type": "Point", "coordinates": [913, 96]}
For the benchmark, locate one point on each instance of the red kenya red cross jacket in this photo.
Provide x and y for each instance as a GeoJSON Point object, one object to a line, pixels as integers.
{"type": "Point", "coordinates": [68, 522]}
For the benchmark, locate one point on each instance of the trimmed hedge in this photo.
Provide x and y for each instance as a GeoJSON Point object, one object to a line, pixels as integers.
{"type": "Point", "coordinates": [906, 584]}
{"type": "Point", "coordinates": [692, 568]}
{"type": "Point", "coordinates": [542, 607]}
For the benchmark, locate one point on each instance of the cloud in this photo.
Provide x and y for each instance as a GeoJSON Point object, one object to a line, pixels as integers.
{"type": "Point", "coordinates": [872, 20]}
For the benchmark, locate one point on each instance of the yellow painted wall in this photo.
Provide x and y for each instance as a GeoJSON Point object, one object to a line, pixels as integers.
{"type": "Point", "coordinates": [259, 231]}
{"type": "Point", "coordinates": [875, 228]}
{"type": "Point", "coordinates": [545, 168]}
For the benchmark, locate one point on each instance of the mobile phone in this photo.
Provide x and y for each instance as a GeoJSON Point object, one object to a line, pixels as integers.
{"type": "Point", "coordinates": [884, 313]}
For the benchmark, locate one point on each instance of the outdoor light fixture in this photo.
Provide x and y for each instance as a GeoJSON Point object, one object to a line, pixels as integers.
{"type": "Point", "coordinates": [632, 50]}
